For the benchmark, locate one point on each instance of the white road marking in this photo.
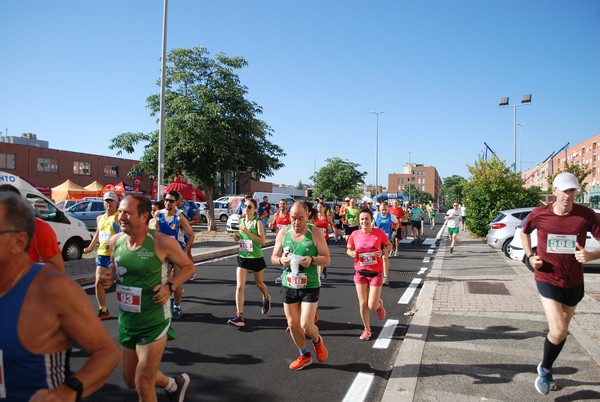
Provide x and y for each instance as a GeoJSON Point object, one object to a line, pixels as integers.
{"type": "Point", "coordinates": [422, 271]}
{"type": "Point", "coordinates": [410, 291]}
{"type": "Point", "coordinates": [385, 336]}
{"type": "Point", "coordinates": [359, 389]}
{"type": "Point", "coordinates": [426, 260]}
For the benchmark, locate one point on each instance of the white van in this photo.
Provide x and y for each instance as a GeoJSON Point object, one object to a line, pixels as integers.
{"type": "Point", "coordinates": [72, 234]}
{"type": "Point", "coordinates": [274, 198]}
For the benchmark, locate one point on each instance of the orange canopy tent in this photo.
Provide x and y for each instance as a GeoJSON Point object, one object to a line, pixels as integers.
{"type": "Point", "coordinates": [70, 190]}
{"type": "Point", "coordinates": [119, 188]}
{"type": "Point", "coordinates": [188, 190]}
{"type": "Point", "coordinates": [96, 187]}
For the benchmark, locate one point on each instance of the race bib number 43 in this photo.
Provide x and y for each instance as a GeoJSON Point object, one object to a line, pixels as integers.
{"type": "Point", "coordinates": [130, 298]}
{"type": "Point", "coordinates": [561, 244]}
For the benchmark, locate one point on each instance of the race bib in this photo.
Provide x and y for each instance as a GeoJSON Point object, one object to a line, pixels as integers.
{"type": "Point", "coordinates": [297, 281]}
{"type": "Point", "coordinates": [130, 298]}
{"type": "Point", "coordinates": [367, 259]}
{"type": "Point", "coordinates": [561, 244]}
{"type": "Point", "coordinates": [246, 245]}
{"type": "Point", "coordinates": [324, 230]}
{"type": "Point", "coordinates": [104, 236]}
{"type": "Point", "coordinates": [280, 227]}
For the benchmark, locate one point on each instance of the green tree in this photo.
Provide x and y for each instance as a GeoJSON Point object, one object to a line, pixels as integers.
{"type": "Point", "coordinates": [581, 172]}
{"type": "Point", "coordinates": [338, 179]}
{"type": "Point", "coordinates": [416, 196]}
{"type": "Point", "coordinates": [300, 186]}
{"type": "Point", "coordinates": [492, 188]}
{"type": "Point", "coordinates": [210, 126]}
{"type": "Point", "coordinates": [453, 189]}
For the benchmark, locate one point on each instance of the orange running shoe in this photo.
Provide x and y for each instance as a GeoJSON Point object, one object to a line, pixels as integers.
{"type": "Point", "coordinates": [301, 362]}
{"type": "Point", "coordinates": [321, 350]}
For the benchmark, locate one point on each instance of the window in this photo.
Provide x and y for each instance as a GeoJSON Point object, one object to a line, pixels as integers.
{"type": "Point", "coordinates": [111, 171]}
{"type": "Point", "coordinates": [82, 168]}
{"type": "Point", "coordinates": [47, 165]}
{"type": "Point", "coordinates": [97, 206]}
{"type": "Point", "coordinates": [7, 161]}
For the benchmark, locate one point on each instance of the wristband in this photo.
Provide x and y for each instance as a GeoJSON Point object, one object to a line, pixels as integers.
{"type": "Point", "coordinates": [312, 259]}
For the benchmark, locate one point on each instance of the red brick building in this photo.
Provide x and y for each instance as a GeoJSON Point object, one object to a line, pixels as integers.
{"type": "Point", "coordinates": [424, 178]}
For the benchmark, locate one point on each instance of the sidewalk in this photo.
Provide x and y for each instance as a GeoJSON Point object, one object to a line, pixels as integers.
{"type": "Point", "coordinates": [479, 330]}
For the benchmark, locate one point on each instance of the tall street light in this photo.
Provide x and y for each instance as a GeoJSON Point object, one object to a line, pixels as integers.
{"type": "Point", "coordinates": [525, 100]}
{"type": "Point", "coordinates": [161, 131]}
{"type": "Point", "coordinates": [409, 176]}
{"type": "Point", "coordinates": [377, 152]}
{"type": "Point", "coordinates": [521, 155]}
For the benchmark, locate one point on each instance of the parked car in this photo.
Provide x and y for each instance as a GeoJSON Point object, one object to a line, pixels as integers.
{"type": "Point", "coordinates": [87, 212]}
{"type": "Point", "coordinates": [232, 224]}
{"type": "Point", "coordinates": [502, 228]}
{"type": "Point", "coordinates": [221, 212]}
{"type": "Point", "coordinates": [62, 205]}
{"type": "Point", "coordinates": [516, 251]}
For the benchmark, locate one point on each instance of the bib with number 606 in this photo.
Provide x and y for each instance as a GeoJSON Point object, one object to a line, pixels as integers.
{"type": "Point", "coordinates": [561, 244]}
{"type": "Point", "coordinates": [130, 298]}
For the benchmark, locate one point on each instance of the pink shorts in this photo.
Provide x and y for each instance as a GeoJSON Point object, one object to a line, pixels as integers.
{"type": "Point", "coordinates": [365, 280]}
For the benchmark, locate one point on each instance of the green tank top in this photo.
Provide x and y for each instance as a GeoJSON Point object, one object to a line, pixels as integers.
{"type": "Point", "coordinates": [248, 247]}
{"type": "Point", "coordinates": [352, 216]}
{"type": "Point", "coordinates": [138, 272]}
{"type": "Point", "coordinates": [308, 277]}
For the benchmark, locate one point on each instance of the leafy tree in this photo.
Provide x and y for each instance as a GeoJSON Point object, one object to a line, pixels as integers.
{"type": "Point", "coordinates": [581, 172]}
{"type": "Point", "coordinates": [416, 195]}
{"type": "Point", "coordinates": [494, 187]}
{"type": "Point", "coordinates": [210, 126]}
{"type": "Point", "coordinates": [338, 179]}
{"type": "Point", "coordinates": [453, 189]}
{"type": "Point", "coordinates": [301, 186]}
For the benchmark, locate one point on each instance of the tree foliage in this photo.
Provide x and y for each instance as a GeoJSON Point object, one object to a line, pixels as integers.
{"type": "Point", "coordinates": [453, 189]}
{"type": "Point", "coordinates": [417, 196]}
{"type": "Point", "coordinates": [581, 172]}
{"type": "Point", "coordinates": [210, 126]}
{"type": "Point", "coordinates": [338, 179]}
{"type": "Point", "coordinates": [494, 187]}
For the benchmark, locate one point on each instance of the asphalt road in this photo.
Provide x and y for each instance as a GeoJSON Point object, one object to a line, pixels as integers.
{"type": "Point", "coordinates": [251, 364]}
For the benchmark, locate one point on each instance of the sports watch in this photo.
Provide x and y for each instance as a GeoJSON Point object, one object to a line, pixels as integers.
{"type": "Point", "coordinates": [75, 385]}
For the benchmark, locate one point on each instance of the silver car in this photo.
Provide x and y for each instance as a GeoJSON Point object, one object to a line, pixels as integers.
{"type": "Point", "coordinates": [87, 212]}
{"type": "Point", "coordinates": [502, 228]}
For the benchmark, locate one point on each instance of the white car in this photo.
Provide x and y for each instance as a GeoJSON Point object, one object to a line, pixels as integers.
{"type": "Point", "coordinates": [220, 208]}
{"type": "Point", "coordinates": [516, 251]}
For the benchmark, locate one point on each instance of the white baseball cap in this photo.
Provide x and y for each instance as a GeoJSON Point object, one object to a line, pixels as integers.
{"type": "Point", "coordinates": [566, 181]}
{"type": "Point", "coordinates": [110, 196]}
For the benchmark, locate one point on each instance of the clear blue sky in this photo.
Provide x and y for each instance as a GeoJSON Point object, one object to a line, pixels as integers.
{"type": "Point", "coordinates": [77, 73]}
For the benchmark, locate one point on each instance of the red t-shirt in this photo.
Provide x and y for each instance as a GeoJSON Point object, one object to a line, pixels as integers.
{"type": "Point", "coordinates": [556, 235]}
{"type": "Point", "coordinates": [44, 243]}
{"type": "Point", "coordinates": [322, 224]}
{"type": "Point", "coordinates": [366, 245]}
{"type": "Point", "coordinates": [281, 221]}
{"type": "Point", "coordinates": [398, 212]}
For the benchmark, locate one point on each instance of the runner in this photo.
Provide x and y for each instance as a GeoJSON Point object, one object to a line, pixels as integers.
{"type": "Point", "coordinates": [398, 212]}
{"type": "Point", "coordinates": [106, 227]}
{"type": "Point", "coordinates": [562, 228]}
{"type": "Point", "coordinates": [337, 223]}
{"type": "Point", "coordinates": [416, 217]}
{"type": "Point", "coordinates": [367, 246]}
{"type": "Point", "coordinates": [389, 224]}
{"type": "Point", "coordinates": [43, 312]}
{"type": "Point", "coordinates": [280, 221]}
{"type": "Point", "coordinates": [140, 264]}
{"type": "Point", "coordinates": [324, 222]}
{"type": "Point", "coordinates": [453, 218]}
{"type": "Point", "coordinates": [300, 249]}
{"type": "Point", "coordinates": [351, 217]}
{"type": "Point", "coordinates": [171, 222]}
{"type": "Point", "coordinates": [431, 210]}
{"type": "Point", "coordinates": [251, 237]}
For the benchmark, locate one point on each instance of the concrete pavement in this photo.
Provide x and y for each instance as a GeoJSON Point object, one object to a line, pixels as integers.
{"type": "Point", "coordinates": [478, 331]}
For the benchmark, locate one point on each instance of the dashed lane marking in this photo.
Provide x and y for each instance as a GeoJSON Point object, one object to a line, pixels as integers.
{"type": "Point", "coordinates": [385, 336]}
{"type": "Point", "coordinates": [410, 291]}
{"type": "Point", "coordinates": [359, 389]}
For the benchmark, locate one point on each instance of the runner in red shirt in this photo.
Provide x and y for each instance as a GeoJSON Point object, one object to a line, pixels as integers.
{"type": "Point", "coordinates": [324, 222]}
{"type": "Point", "coordinates": [280, 221]}
{"type": "Point", "coordinates": [398, 212]}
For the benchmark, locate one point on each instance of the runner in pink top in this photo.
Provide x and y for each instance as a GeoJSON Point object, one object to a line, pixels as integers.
{"type": "Point", "coordinates": [366, 246]}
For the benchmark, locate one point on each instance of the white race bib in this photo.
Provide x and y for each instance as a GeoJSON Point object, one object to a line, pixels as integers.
{"type": "Point", "coordinates": [561, 244]}
{"type": "Point", "coordinates": [367, 259]}
{"type": "Point", "coordinates": [130, 298]}
{"type": "Point", "coordinates": [104, 236]}
{"type": "Point", "coordinates": [246, 245]}
{"type": "Point", "coordinates": [297, 281]}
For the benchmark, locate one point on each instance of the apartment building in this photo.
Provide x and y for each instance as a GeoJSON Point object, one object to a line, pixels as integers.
{"type": "Point", "coordinates": [424, 178]}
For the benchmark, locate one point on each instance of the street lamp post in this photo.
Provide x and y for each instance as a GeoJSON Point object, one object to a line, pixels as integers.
{"type": "Point", "coordinates": [525, 100]}
{"type": "Point", "coordinates": [521, 151]}
{"type": "Point", "coordinates": [161, 131]}
{"type": "Point", "coordinates": [377, 152]}
{"type": "Point", "coordinates": [409, 177]}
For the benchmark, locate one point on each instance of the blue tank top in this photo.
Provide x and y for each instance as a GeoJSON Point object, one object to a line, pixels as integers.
{"type": "Point", "coordinates": [25, 372]}
{"type": "Point", "coordinates": [385, 223]}
{"type": "Point", "coordinates": [171, 228]}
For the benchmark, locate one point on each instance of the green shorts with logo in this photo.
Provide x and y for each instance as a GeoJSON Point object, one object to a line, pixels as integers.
{"type": "Point", "coordinates": [452, 231]}
{"type": "Point", "coordinates": [130, 338]}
